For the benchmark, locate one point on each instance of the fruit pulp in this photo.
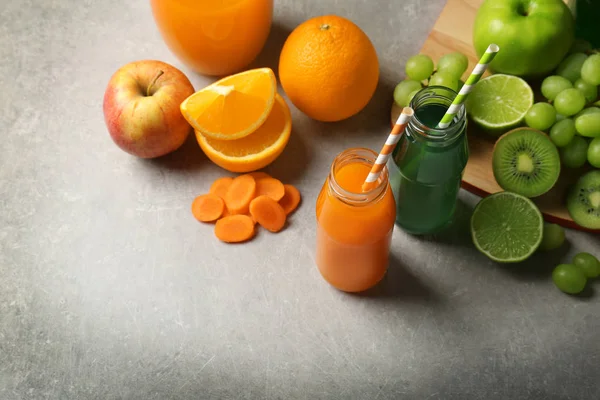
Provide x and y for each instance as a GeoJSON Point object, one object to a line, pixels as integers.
{"type": "Point", "coordinates": [354, 237]}
{"type": "Point", "coordinates": [214, 37]}
{"type": "Point", "coordinates": [425, 175]}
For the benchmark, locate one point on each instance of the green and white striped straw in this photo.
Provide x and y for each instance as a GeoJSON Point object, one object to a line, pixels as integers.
{"type": "Point", "coordinates": [472, 80]}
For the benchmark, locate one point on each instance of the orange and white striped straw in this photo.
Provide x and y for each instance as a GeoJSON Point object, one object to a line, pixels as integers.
{"type": "Point", "coordinates": [387, 149]}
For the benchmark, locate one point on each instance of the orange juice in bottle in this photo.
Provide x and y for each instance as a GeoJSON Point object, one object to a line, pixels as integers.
{"type": "Point", "coordinates": [214, 37]}
{"type": "Point", "coordinates": [354, 229]}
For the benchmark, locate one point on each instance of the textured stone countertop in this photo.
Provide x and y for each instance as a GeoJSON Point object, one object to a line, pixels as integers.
{"type": "Point", "coordinates": [110, 290]}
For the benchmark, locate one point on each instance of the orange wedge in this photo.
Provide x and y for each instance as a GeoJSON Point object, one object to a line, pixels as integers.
{"type": "Point", "coordinates": [254, 151]}
{"type": "Point", "coordinates": [232, 107]}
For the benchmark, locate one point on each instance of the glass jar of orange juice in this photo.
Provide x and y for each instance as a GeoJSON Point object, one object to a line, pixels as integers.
{"type": "Point", "coordinates": [214, 37]}
{"type": "Point", "coordinates": [354, 229]}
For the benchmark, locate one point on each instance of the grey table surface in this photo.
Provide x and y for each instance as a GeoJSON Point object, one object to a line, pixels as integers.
{"type": "Point", "coordinates": [110, 290]}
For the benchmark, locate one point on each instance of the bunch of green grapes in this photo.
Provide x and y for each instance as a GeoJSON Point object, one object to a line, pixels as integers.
{"type": "Point", "coordinates": [571, 116]}
{"type": "Point", "coordinates": [420, 73]}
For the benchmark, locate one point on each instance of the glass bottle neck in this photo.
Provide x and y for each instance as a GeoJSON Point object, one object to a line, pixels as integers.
{"type": "Point", "coordinates": [351, 156]}
{"type": "Point", "coordinates": [430, 105]}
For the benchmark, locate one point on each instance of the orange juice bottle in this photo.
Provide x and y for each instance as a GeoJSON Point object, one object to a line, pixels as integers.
{"type": "Point", "coordinates": [354, 229]}
{"type": "Point", "coordinates": [214, 37]}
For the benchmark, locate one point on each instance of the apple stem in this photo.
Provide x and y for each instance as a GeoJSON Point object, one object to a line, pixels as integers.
{"type": "Point", "coordinates": [158, 74]}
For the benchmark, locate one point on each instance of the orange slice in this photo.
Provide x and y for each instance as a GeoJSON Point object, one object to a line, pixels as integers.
{"type": "Point", "coordinates": [255, 151]}
{"type": "Point", "coordinates": [232, 107]}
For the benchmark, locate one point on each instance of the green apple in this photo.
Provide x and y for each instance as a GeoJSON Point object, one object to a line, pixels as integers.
{"type": "Point", "coordinates": [533, 35]}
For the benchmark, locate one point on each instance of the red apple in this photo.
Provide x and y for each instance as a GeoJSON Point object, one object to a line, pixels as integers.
{"type": "Point", "coordinates": [141, 108]}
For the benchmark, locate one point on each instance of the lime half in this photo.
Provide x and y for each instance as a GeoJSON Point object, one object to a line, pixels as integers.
{"type": "Point", "coordinates": [507, 227]}
{"type": "Point", "coordinates": [499, 102]}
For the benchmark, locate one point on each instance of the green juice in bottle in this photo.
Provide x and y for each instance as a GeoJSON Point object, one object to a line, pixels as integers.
{"type": "Point", "coordinates": [587, 14]}
{"type": "Point", "coordinates": [427, 165]}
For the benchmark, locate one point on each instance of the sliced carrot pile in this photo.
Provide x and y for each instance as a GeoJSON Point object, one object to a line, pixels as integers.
{"type": "Point", "coordinates": [207, 207]}
{"type": "Point", "coordinates": [220, 186]}
{"type": "Point", "coordinates": [268, 213]}
{"type": "Point", "coordinates": [290, 199]}
{"type": "Point", "coordinates": [234, 229]}
{"type": "Point", "coordinates": [270, 187]}
{"type": "Point", "coordinates": [240, 193]}
{"type": "Point", "coordinates": [238, 204]}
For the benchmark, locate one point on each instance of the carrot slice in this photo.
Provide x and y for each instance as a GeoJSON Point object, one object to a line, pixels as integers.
{"type": "Point", "coordinates": [234, 229]}
{"type": "Point", "coordinates": [240, 194]}
{"type": "Point", "coordinates": [290, 199]}
{"type": "Point", "coordinates": [268, 213]}
{"type": "Point", "coordinates": [220, 186]}
{"type": "Point", "coordinates": [259, 175]}
{"type": "Point", "coordinates": [226, 212]}
{"type": "Point", "coordinates": [270, 187]}
{"type": "Point", "coordinates": [207, 207]}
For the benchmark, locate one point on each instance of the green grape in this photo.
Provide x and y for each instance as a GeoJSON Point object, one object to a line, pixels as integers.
{"type": "Point", "coordinates": [559, 117]}
{"type": "Point", "coordinates": [403, 89]}
{"type": "Point", "coordinates": [590, 266]}
{"type": "Point", "coordinates": [588, 125]}
{"type": "Point", "coordinates": [453, 63]}
{"type": "Point", "coordinates": [593, 153]}
{"type": "Point", "coordinates": [590, 71]}
{"type": "Point", "coordinates": [574, 154]}
{"type": "Point", "coordinates": [461, 83]}
{"type": "Point", "coordinates": [411, 95]}
{"type": "Point", "coordinates": [590, 92]}
{"type": "Point", "coordinates": [569, 278]}
{"type": "Point", "coordinates": [540, 116]}
{"type": "Point", "coordinates": [419, 67]}
{"type": "Point", "coordinates": [580, 46]}
{"type": "Point", "coordinates": [553, 237]}
{"type": "Point", "coordinates": [589, 110]}
{"type": "Point", "coordinates": [444, 79]}
{"type": "Point", "coordinates": [569, 102]}
{"type": "Point", "coordinates": [570, 67]}
{"type": "Point", "coordinates": [553, 85]}
{"type": "Point", "coordinates": [563, 132]}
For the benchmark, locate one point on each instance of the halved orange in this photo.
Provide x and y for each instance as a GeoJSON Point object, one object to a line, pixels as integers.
{"type": "Point", "coordinates": [254, 151]}
{"type": "Point", "coordinates": [232, 107]}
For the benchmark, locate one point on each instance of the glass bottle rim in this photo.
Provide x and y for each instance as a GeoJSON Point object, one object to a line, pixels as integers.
{"type": "Point", "coordinates": [436, 95]}
{"type": "Point", "coordinates": [363, 155]}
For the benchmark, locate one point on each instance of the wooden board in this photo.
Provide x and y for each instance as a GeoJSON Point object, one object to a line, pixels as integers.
{"type": "Point", "coordinates": [453, 32]}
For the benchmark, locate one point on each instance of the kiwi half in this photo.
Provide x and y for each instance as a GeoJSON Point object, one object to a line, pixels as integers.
{"type": "Point", "coordinates": [525, 162]}
{"type": "Point", "coordinates": [583, 201]}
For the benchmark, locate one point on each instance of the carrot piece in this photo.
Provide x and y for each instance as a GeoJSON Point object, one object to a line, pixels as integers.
{"type": "Point", "coordinates": [270, 187]}
{"type": "Point", "coordinates": [226, 213]}
{"type": "Point", "coordinates": [290, 199]}
{"type": "Point", "coordinates": [268, 213]}
{"type": "Point", "coordinates": [240, 194]}
{"type": "Point", "coordinates": [259, 175]}
{"type": "Point", "coordinates": [207, 207]}
{"type": "Point", "coordinates": [234, 229]}
{"type": "Point", "coordinates": [219, 187]}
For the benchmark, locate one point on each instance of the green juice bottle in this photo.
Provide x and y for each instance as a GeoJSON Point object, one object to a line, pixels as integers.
{"type": "Point", "coordinates": [587, 14]}
{"type": "Point", "coordinates": [427, 165]}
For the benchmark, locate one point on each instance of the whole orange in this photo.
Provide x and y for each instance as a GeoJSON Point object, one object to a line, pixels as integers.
{"type": "Point", "coordinates": [328, 68]}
